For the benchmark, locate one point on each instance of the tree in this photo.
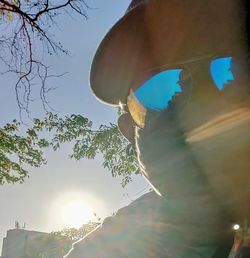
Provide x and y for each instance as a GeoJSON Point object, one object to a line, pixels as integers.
{"type": "Point", "coordinates": [19, 150]}
{"type": "Point", "coordinates": [87, 143]}
{"type": "Point", "coordinates": [25, 26]}
{"type": "Point", "coordinates": [75, 234]}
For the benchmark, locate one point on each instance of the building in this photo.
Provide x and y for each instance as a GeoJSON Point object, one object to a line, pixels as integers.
{"type": "Point", "coordinates": [21, 243]}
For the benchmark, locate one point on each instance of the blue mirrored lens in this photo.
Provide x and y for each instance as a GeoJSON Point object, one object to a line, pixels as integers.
{"type": "Point", "coordinates": [158, 91]}
{"type": "Point", "coordinates": [221, 72]}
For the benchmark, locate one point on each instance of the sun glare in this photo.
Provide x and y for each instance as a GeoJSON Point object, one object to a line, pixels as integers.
{"type": "Point", "coordinates": [73, 208]}
{"type": "Point", "coordinates": [76, 213]}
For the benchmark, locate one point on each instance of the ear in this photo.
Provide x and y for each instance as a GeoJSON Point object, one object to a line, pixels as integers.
{"type": "Point", "coordinates": [127, 127]}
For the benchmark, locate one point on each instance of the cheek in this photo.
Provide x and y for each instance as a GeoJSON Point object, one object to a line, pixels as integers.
{"type": "Point", "coordinates": [155, 143]}
{"type": "Point", "coordinates": [168, 162]}
{"type": "Point", "coordinates": [224, 159]}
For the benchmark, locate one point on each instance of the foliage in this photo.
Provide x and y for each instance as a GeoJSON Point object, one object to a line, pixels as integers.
{"type": "Point", "coordinates": [75, 234]}
{"type": "Point", "coordinates": [47, 246]}
{"type": "Point", "coordinates": [25, 40]}
{"type": "Point", "coordinates": [87, 143]}
{"type": "Point", "coordinates": [18, 151]}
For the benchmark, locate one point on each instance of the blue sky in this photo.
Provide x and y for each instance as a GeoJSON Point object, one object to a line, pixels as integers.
{"type": "Point", "coordinates": [37, 201]}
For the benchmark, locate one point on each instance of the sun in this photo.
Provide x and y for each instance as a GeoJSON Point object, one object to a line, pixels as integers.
{"type": "Point", "coordinates": [75, 213]}
{"type": "Point", "coordinates": [73, 208]}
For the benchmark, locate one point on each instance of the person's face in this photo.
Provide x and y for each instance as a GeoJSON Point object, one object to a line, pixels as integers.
{"type": "Point", "coordinates": [200, 144]}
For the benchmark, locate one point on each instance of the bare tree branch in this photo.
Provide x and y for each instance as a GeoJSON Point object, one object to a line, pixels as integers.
{"type": "Point", "coordinates": [24, 27]}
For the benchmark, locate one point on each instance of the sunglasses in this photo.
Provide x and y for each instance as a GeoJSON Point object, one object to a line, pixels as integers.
{"type": "Point", "coordinates": [157, 93]}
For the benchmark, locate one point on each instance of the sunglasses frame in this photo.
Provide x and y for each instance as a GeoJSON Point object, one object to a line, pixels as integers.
{"type": "Point", "coordinates": [138, 111]}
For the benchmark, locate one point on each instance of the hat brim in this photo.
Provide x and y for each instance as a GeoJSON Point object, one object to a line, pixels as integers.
{"type": "Point", "coordinates": [160, 33]}
{"type": "Point", "coordinates": [114, 62]}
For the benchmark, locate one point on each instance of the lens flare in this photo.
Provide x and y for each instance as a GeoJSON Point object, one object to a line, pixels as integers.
{"type": "Point", "coordinates": [76, 213]}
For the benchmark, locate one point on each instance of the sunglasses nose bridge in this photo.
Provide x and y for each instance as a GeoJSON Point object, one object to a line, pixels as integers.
{"type": "Point", "coordinates": [199, 76]}
{"type": "Point", "coordinates": [204, 99]}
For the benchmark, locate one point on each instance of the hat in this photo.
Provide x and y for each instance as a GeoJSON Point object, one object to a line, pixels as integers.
{"type": "Point", "coordinates": [134, 3]}
{"type": "Point", "coordinates": [157, 34]}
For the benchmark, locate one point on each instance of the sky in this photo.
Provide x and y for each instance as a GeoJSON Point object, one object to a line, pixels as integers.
{"type": "Point", "coordinates": [40, 201]}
